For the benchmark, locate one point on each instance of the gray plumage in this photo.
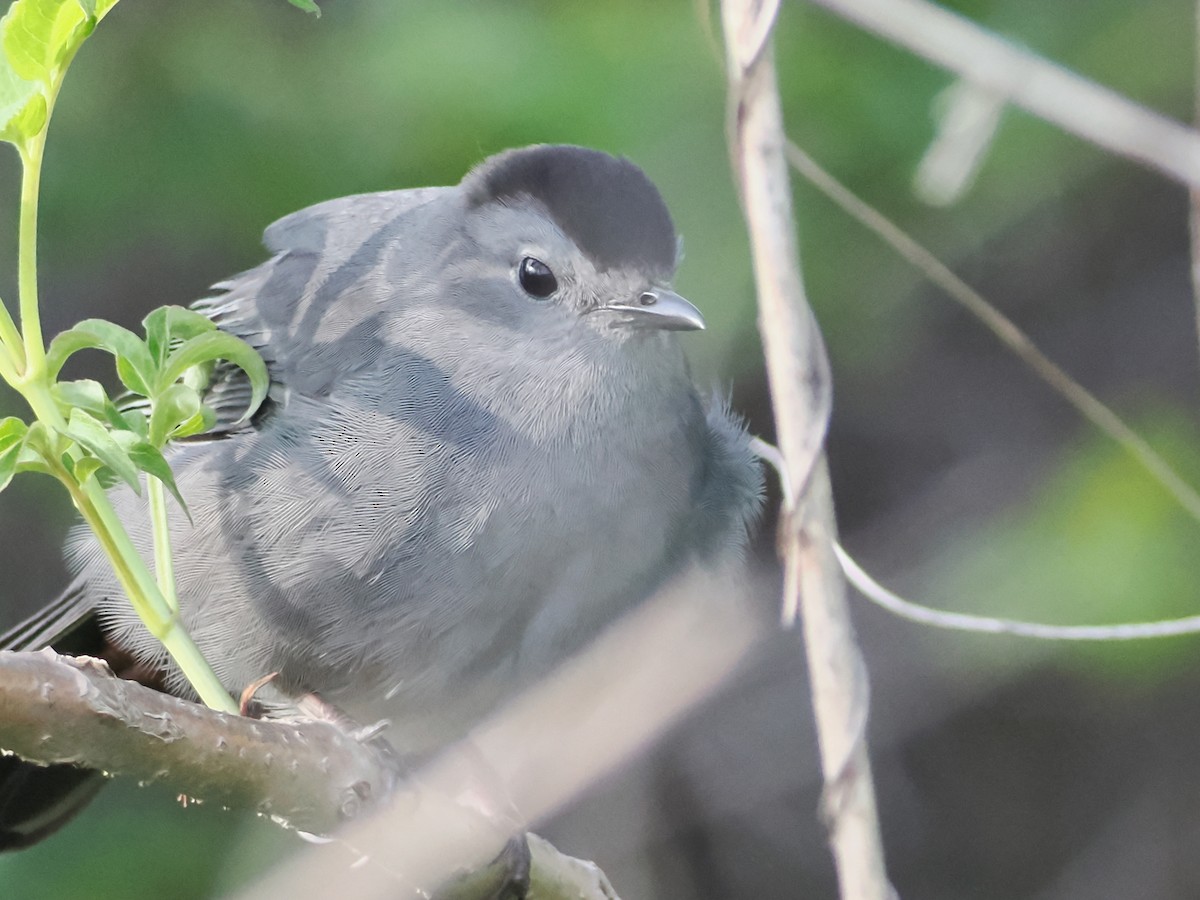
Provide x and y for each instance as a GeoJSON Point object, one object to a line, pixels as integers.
{"type": "Point", "coordinates": [453, 484]}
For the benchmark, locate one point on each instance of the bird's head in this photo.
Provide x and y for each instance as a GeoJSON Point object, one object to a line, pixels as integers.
{"type": "Point", "coordinates": [580, 231]}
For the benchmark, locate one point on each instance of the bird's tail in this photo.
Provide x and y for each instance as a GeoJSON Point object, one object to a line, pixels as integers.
{"type": "Point", "coordinates": [35, 801]}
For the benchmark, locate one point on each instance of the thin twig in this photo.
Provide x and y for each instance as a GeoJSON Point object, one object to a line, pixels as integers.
{"type": "Point", "coordinates": [1047, 90]}
{"type": "Point", "coordinates": [1086, 403]}
{"type": "Point", "coordinates": [800, 389]}
{"type": "Point", "coordinates": [915, 612]}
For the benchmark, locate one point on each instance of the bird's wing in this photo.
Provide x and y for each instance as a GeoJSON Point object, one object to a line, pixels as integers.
{"type": "Point", "coordinates": [277, 307]}
{"type": "Point", "coordinates": [338, 226]}
{"type": "Point", "coordinates": [316, 251]}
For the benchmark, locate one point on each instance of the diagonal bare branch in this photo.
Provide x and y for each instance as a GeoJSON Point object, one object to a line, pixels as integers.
{"type": "Point", "coordinates": [1006, 331]}
{"type": "Point", "coordinates": [1049, 91]}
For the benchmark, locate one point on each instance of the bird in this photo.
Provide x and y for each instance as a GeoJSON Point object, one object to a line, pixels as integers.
{"type": "Point", "coordinates": [481, 444]}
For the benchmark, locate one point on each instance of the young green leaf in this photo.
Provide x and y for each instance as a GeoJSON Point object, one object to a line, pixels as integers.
{"type": "Point", "coordinates": [134, 376]}
{"type": "Point", "coordinates": [151, 461]}
{"type": "Point", "coordinates": [169, 324]}
{"type": "Point", "coordinates": [40, 34]}
{"type": "Point", "coordinates": [135, 365]}
{"type": "Point", "coordinates": [90, 396]}
{"type": "Point", "coordinates": [199, 376]}
{"type": "Point", "coordinates": [42, 440]}
{"type": "Point", "coordinates": [172, 408]}
{"type": "Point", "coordinates": [70, 34]}
{"type": "Point", "coordinates": [12, 431]}
{"type": "Point", "coordinates": [86, 467]}
{"type": "Point", "coordinates": [12, 440]}
{"type": "Point", "coordinates": [22, 104]}
{"type": "Point", "coordinates": [97, 9]}
{"type": "Point", "coordinates": [29, 460]}
{"type": "Point", "coordinates": [158, 335]}
{"type": "Point", "coordinates": [40, 446]}
{"type": "Point", "coordinates": [8, 464]}
{"type": "Point", "coordinates": [215, 345]}
{"type": "Point", "coordinates": [89, 433]}
{"type": "Point", "coordinates": [136, 421]}
{"type": "Point", "coordinates": [307, 5]}
{"type": "Point", "coordinates": [198, 424]}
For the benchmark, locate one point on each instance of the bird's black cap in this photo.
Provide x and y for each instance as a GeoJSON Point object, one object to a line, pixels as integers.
{"type": "Point", "coordinates": [606, 205]}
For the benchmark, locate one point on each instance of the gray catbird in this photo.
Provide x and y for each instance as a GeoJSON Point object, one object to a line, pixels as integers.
{"type": "Point", "coordinates": [481, 444]}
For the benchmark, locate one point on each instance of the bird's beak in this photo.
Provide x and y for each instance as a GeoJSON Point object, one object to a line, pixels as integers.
{"type": "Point", "coordinates": [659, 309]}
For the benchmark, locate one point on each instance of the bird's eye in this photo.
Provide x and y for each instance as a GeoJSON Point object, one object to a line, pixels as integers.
{"type": "Point", "coordinates": [536, 278]}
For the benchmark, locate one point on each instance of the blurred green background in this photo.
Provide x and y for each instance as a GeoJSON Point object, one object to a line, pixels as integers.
{"type": "Point", "coordinates": [1006, 769]}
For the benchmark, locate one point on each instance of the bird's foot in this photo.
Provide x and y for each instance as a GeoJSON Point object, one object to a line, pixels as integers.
{"type": "Point", "coordinates": [247, 705]}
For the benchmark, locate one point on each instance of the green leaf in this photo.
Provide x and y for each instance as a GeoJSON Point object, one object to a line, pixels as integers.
{"type": "Point", "coordinates": [90, 396]}
{"type": "Point", "coordinates": [42, 439]}
{"type": "Point", "coordinates": [26, 123]}
{"type": "Point", "coordinates": [29, 122]}
{"type": "Point", "coordinates": [308, 6]}
{"type": "Point", "coordinates": [97, 9]}
{"type": "Point", "coordinates": [12, 440]}
{"type": "Point", "coordinates": [38, 448]}
{"type": "Point", "coordinates": [135, 365]}
{"type": "Point", "coordinates": [30, 460]}
{"type": "Point", "coordinates": [12, 431]}
{"type": "Point", "coordinates": [15, 90]}
{"type": "Point", "coordinates": [199, 377]}
{"type": "Point", "coordinates": [136, 377]}
{"type": "Point", "coordinates": [197, 424]}
{"type": "Point", "coordinates": [172, 408]}
{"type": "Point", "coordinates": [90, 434]}
{"type": "Point", "coordinates": [151, 461]}
{"type": "Point", "coordinates": [84, 393]}
{"type": "Point", "coordinates": [40, 36]}
{"type": "Point", "coordinates": [8, 465]}
{"type": "Point", "coordinates": [173, 323]}
{"type": "Point", "coordinates": [22, 105]}
{"type": "Point", "coordinates": [86, 467]}
{"type": "Point", "coordinates": [136, 421]}
{"type": "Point", "coordinates": [215, 345]}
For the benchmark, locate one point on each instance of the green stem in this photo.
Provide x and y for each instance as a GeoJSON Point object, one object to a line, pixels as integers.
{"type": "Point", "coordinates": [31, 323]}
{"type": "Point", "coordinates": [139, 585]}
{"type": "Point", "coordinates": [132, 574]}
{"type": "Point", "coordinates": [164, 565]}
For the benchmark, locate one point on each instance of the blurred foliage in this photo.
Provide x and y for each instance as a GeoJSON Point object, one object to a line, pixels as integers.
{"type": "Point", "coordinates": [181, 136]}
